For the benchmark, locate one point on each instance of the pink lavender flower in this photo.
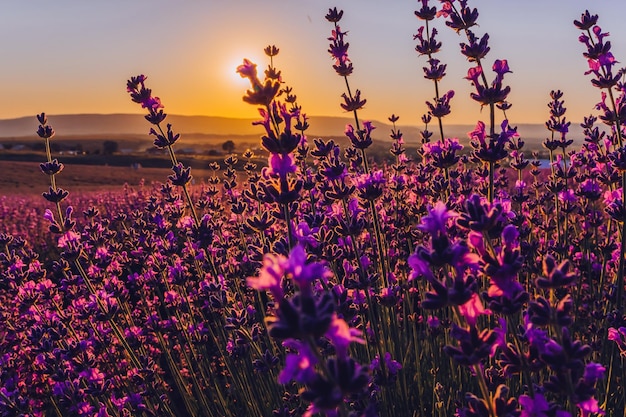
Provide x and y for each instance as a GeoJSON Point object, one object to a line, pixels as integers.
{"type": "Point", "coordinates": [472, 309]}
{"type": "Point", "coordinates": [491, 148]}
{"type": "Point", "coordinates": [341, 335]}
{"type": "Point", "coordinates": [270, 275]}
{"type": "Point", "coordinates": [590, 407]}
{"type": "Point", "coordinates": [500, 67]}
{"type": "Point", "coordinates": [446, 9]}
{"type": "Point", "coordinates": [338, 48]}
{"type": "Point", "coordinates": [619, 337]}
{"type": "Point", "coordinates": [247, 70]}
{"type": "Point", "coordinates": [68, 240]}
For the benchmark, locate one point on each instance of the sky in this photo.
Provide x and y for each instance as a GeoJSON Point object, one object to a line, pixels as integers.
{"type": "Point", "coordinates": [74, 56]}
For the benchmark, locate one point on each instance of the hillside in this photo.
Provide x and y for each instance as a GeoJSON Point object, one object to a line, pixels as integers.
{"type": "Point", "coordinates": [199, 127]}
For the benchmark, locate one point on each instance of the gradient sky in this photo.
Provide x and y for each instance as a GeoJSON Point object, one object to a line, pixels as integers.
{"type": "Point", "coordinates": [74, 56]}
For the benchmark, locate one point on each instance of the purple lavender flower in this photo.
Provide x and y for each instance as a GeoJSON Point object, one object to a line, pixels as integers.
{"type": "Point", "coordinates": [442, 106]}
{"type": "Point", "coordinates": [427, 46]}
{"type": "Point", "coordinates": [370, 186]}
{"type": "Point", "coordinates": [442, 154]}
{"type": "Point", "coordinates": [495, 149]}
{"type": "Point", "coordinates": [338, 50]}
{"type": "Point", "coordinates": [476, 49]}
{"type": "Point", "coordinates": [303, 273]}
{"type": "Point", "coordinates": [587, 21]}
{"type": "Point", "coordinates": [361, 138]}
{"type": "Point", "coordinates": [436, 220]}
{"type": "Point", "coordinates": [535, 407]}
{"type": "Point", "coordinates": [45, 132]}
{"type": "Point", "coordinates": [261, 93]}
{"type": "Point", "coordinates": [299, 366]}
{"type": "Point", "coordinates": [281, 165]}
{"type": "Point", "coordinates": [463, 19]}
{"type": "Point", "coordinates": [425, 12]}
{"type": "Point", "coordinates": [334, 15]}
{"type": "Point", "coordinates": [474, 346]}
{"type": "Point", "coordinates": [353, 103]}
{"type": "Point", "coordinates": [554, 276]}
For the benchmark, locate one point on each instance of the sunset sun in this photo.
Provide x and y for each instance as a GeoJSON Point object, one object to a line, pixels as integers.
{"type": "Point", "coordinates": [232, 64]}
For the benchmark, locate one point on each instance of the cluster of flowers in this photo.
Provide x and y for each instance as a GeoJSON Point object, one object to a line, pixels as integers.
{"type": "Point", "coordinates": [324, 284]}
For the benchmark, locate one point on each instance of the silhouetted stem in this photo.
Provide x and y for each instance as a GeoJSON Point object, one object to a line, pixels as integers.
{"type": "Point", "coordinates": [289, 227]}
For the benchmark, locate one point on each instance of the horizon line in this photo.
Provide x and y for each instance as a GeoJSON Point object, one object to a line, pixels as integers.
{"type": "Point", "coordinates": [250, 118]}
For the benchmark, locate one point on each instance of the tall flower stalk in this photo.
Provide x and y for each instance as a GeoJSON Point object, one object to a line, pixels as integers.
{"type": "Point", "coordinates": [429, 45]}
{"type": "Point", "coordinates": [492, 94]}
{"type": "Point", "coordinates": [281, 184]}
{"type": "Point", "coordinates": [360, 138]}
{"type": "Point", "coordinates": [605, 77]}
{"type": "Point", "coordinates": [560, 174]}
{"type": "Point", "coordinates": [444, 151]}
{"type": "Point", "coordinates": [52, 167]}
{"type": "Point", "coordinates": [163, 139]}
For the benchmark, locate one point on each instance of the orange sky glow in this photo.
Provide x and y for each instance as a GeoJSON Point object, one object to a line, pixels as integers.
{"type": "Point", "coordinates": [71, 56]}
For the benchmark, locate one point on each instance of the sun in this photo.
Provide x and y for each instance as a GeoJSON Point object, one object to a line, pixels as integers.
{"type": "Point", "coordinates": [232, 64]}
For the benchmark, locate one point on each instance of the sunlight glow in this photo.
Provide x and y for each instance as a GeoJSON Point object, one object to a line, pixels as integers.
{"type": "Point", "coordinates": [236, 60]}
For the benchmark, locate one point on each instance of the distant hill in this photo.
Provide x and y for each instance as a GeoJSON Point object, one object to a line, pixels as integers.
{"type": "Point", "coordinates": [89, 125]}
{"type": "Point", "coordinates": [131, 124]}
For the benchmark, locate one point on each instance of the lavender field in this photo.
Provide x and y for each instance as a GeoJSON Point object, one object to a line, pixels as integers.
{"type": "Point", "coordinates": [448, 282]}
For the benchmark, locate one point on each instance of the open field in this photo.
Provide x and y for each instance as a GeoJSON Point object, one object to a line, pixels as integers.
{"type": "Point", "coordinates": [26, 178]}
{"type": "Point", "coordinates": [128, 143]}
{"type": "Point", "coordinates": [96, 171]}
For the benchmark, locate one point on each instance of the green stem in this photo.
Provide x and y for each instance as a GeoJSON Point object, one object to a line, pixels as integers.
{"type": "Point", "coordinates": [620, 273]}
{"type": "Point", "coordinates": [484, 389]}
{"type": "Point", "coordinates": [289, 226]}
{"type": "Point", "coordinates": [380, 242]}
{"type": "Point", "coordinates": [491, 181]}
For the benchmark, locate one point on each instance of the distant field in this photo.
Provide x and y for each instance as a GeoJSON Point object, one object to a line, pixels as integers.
{"type": "Point", "coordinates": [200, 143]}
{"type": "Point", "coordinates": [21, 178]}
{"type": "Point", "coordinates": [97, 171]}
